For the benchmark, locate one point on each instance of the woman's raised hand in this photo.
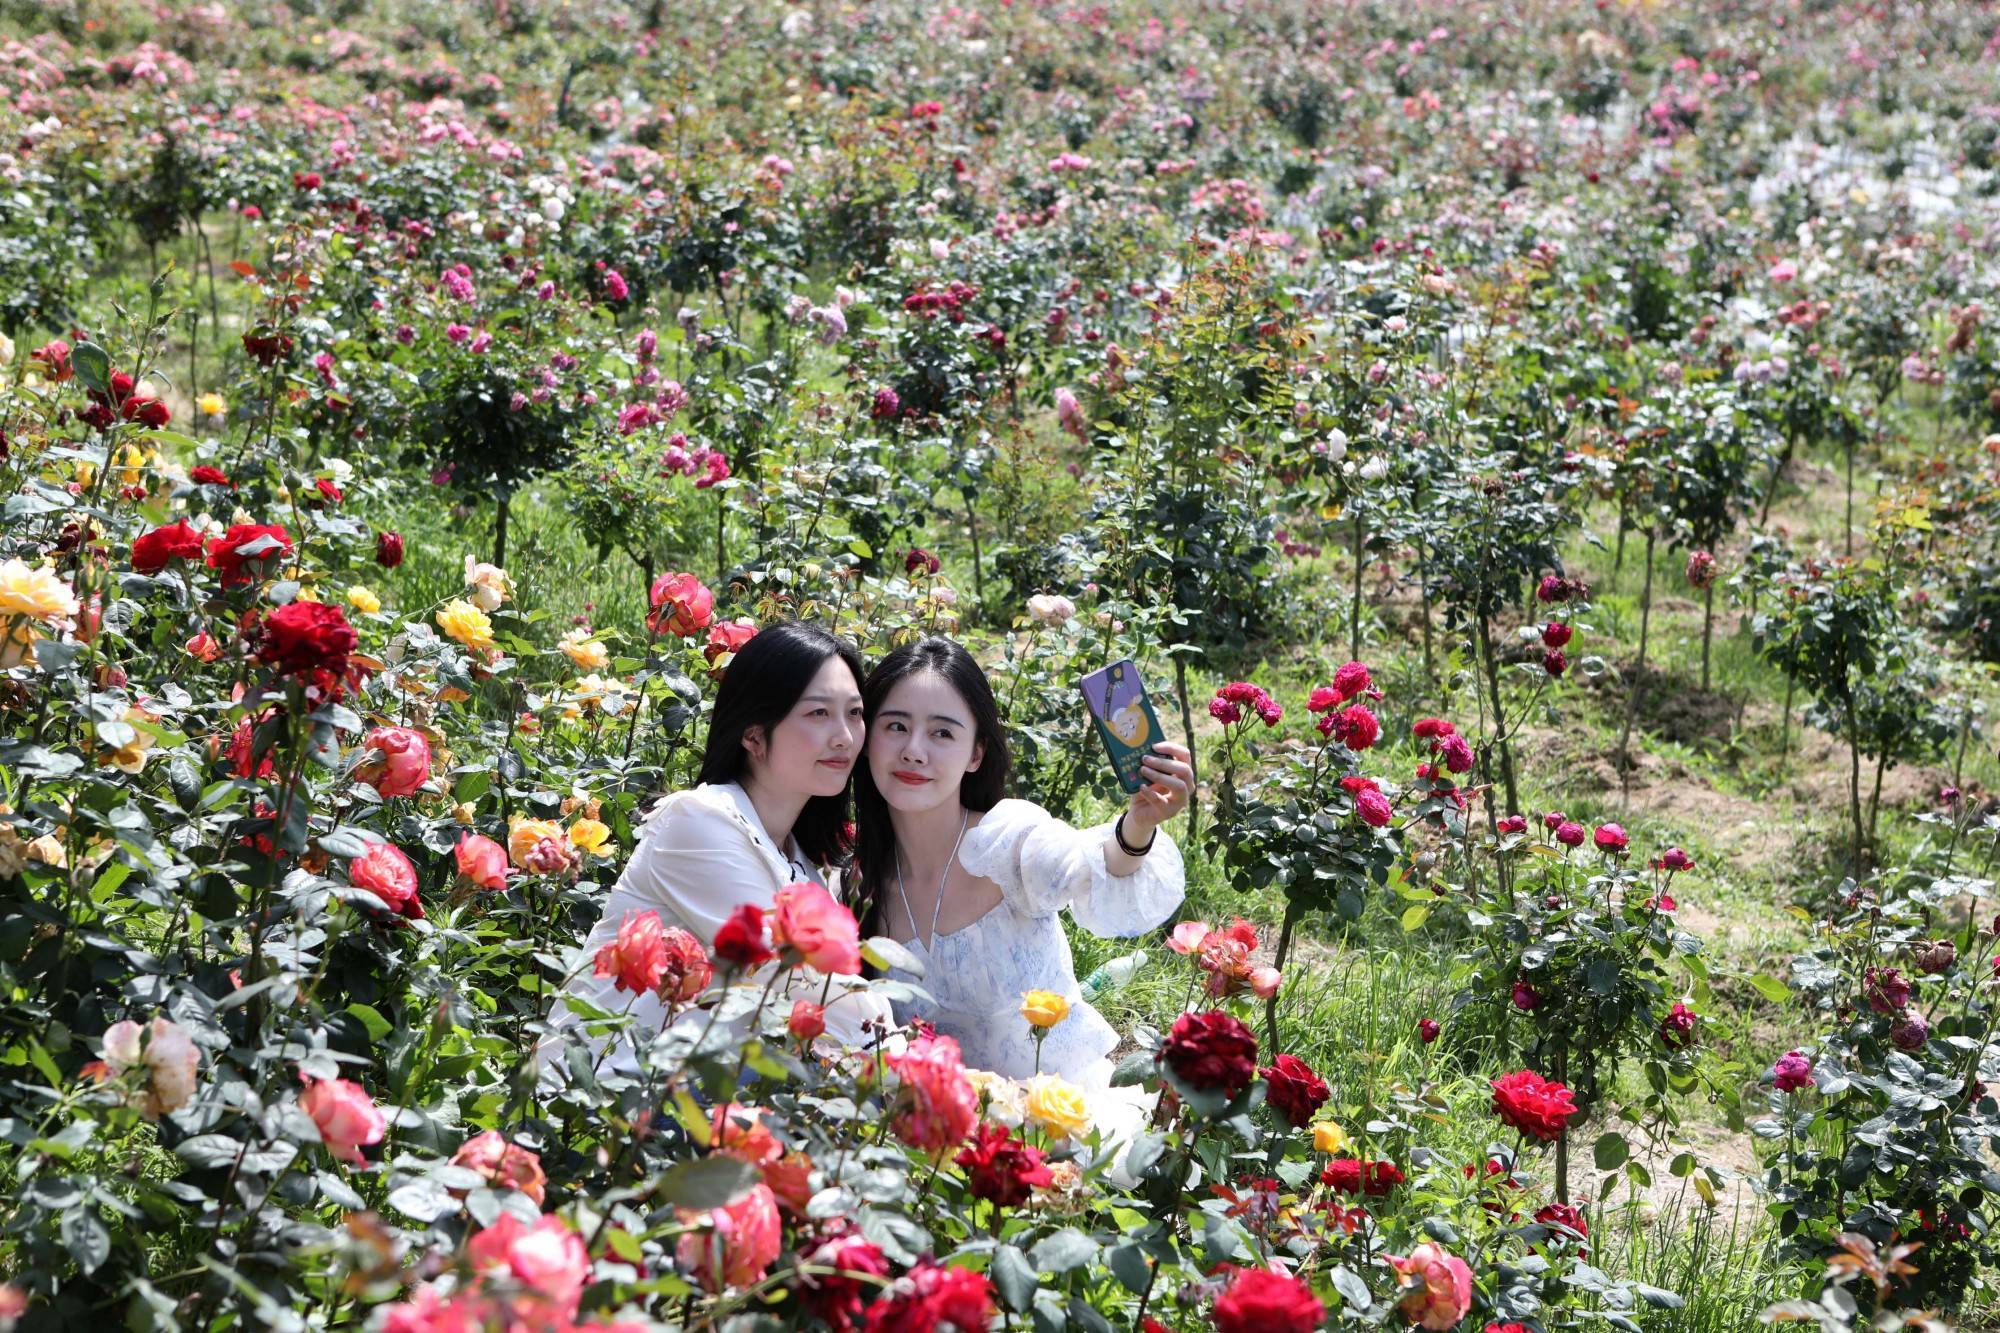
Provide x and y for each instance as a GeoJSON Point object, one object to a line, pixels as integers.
{"type": "Point", "coordinates": [1169, 782]}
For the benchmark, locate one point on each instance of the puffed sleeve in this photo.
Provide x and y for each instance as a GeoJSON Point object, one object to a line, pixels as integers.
{"type": "Point", "coordinates": [1043, 865]}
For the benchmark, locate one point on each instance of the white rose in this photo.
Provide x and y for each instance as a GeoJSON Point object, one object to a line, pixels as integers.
{"type": "Point", "coordinates": [1375, 468]}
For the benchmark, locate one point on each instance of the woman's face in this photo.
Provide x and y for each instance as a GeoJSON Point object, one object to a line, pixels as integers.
{"type": "Point", "coordinates": [922, 744]}
{"type": "Point", "coordinates": [813, 748]}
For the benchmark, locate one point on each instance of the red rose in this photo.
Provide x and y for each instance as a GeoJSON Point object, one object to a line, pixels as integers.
{"type": "Point", "coordinates": [307, 636]}
{"type": "Point", "coordinates": [1561, 1218]}
{"type": "Point", "coordinates": [918, 560]}
{"type": "Point", "coordinates": [305, 180]}
{"type": "Point", "coordinates": [931, 1295]}
{"type": "Point", "coordinates": [1212, 1050]}
{"type": "Point", "coordinates": [839, 1297]}
{"type": "Point", "coordinates": [1261, 1301]}
{"type": "Point", "coordinates": [388, 549]}
{"type": "Point", "coordinates": [245, 760]}
{"type": "Point", "coordinates": [1677, 1028]}
{"type": "Point", "coordinates": [740, 942]}
{"type": "Point", "coordinates": [209, 476]}
{"type": "Point", "coordinates": [1001, 1168]}
{"type": "Point", "coordinates": [1428, 1029]}
{"type": "Point", "coordinates": [267, 348]}
{"type": "Point", "coordinates": [147, 411]}
{"type": "Point", "coordinates": [248, 551]}
{"type": "Point", "coordinates": [1555, 663]}
{"type": "Point", "coordinates": [1294, 1090]}
{"type": "Point", "coordinates": [1526, 1101]}
{"type": "Point", "coordinates": [177, 541]}
{"type": "Point", "coordinates": [1356, 727]}
{"type": "Point", "coordinates": [1431, 729]}
{"type": "Point", "coordinates": [1348, 1176]}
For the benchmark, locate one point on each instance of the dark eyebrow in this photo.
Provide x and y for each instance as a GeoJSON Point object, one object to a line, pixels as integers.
{"type": "Point", "coordinates": [935, 717]}
{"type": "Point", "coordinates": [822, 698]}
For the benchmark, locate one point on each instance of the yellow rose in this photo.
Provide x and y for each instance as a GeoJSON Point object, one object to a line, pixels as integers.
{"type": "Point", "coordinates": [523, 834]}
{"type": "Point", "coordinates": [1329, 1137]}
{"type": "Point", "coordinates": [211, 405]}
{"type": "Point", "coordinates": [131, 757]}
{"type": "Point", "coordinates": [468, 624]}
{"type": "Point", "coordinates": [590, 835]}
{"type": "Point", "coordinates": [34, 592]}
{"type": "Point", "coordinates": [363, 600]}
{"type": "Point", "coordinates": [462, 812]}
{"type": "Point", "coordinates": [1044, 1008]}
{"type": "Point", "coordinates": [1058, 1105]}
{"type": "Point", "coordinates": [17, 643]}
{"type": "Point", "coordinates": [130, 458]}
{"type": "Point", "coordinates": [586, 652]}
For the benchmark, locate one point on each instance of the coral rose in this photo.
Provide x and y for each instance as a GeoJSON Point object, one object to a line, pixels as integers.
{"type": "Point", "coordinates": [807, 921]}
{"type": "Point", "coordinates": [505, 1165]}
{"type": "Point", "coordinates": [741, 1241]}
{"type": "Point", "coordinates": [482, 861]}
{"type": "Point", "coordinates": [938, 1104]}
{"type": "Point", "coordinates": [347, 1118]}
{"type": "Point", "coordinates": [638, 957]}
{"type": "Point", "coordinates": [681, 606]}
{"type": "Point", "coordinates": [398, 761]}
{"type": "Point", "coordinates": [384, 871]}
{"type": "Point", "coordinates": [1437, 1284]}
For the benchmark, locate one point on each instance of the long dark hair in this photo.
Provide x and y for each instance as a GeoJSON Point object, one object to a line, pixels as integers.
{"type": "Point", "coordinates": [765, 679]}
{"type": "Point", "coordinates": [981, 789]}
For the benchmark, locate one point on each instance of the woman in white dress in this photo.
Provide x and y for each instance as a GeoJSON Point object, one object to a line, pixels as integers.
{"type": "Point", "coordinates": [784, 740]}
{"type": "Point", "coordinates": [972, 883]}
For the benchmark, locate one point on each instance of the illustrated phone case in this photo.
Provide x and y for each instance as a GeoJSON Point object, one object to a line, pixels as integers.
{"type": "Point", "coordinates": [1125, 719]}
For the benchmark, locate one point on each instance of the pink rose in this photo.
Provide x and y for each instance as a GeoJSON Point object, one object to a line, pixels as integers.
{"type": "Point", "coordinates": [638, 957]}
{"type": "Point", "coordinates": [398, 761]}
{"type": "Point", "coordinates": [682, 606]}
{"type": "Point", "coordinates": [807, 920]}
{"type": "Point", "coordinates": [346, 1117]}
{"type": "Point", "coordinates": [482, 861]}
{"type": "Point", "coordinates": [1610, 838]}
{"type": "Point", "coordinates": [1374, 809]}
{"type": "Point", "coordinates": [384, 871]}
{"type": "Point", "coordinates": [1438, 1286]}
{"type": "Point", "coordinates": [547, 1258]}
{"type": "Point", "coordinates": [1187, 936]}
{"type": "Point", "coordinates": [939, 1104]}
{"type": "Point", "coordinates": [505, 1165]}
{"type": "Point", "coordinates": [742, 1241]}
{"type": "Point", "coordinates": [1265, 981]}
{"type": "Point", "coordinates": [808, 1020]}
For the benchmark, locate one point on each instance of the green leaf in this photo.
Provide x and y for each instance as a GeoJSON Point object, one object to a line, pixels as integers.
{"type": "Point", "coordinates": [1610, 1152]}
{"type": "Point", "coordinates": [85, 1237]}
{"type": "Point", "coordinates": [707, 1182]}
{"type": "Point", "coordinates": [1128, 1264]}
{"type": "Point", "coordinates": [1353, 1291]}
{"type": "Point", "coordinates": [1013, 1278]}
{"type": "Point", "coordinates": [1772, 989]}
{"type": "Point", "coordinates": [92, 365]}
{"type": "Point", "coordinates": [378, 1026]}
{"type": "Point", "coordinates": [1415, 916]}
{"type": "Point", "coordinates": [1066, 1249]}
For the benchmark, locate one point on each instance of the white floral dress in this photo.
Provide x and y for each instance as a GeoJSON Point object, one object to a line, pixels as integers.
{"type": "Point", "coordinates": [977, 973]}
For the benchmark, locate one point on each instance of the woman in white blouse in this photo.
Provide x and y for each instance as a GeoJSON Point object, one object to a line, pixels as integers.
{"type": "Point", "coordinates": [771, 809]}
{"type": "Point", "coordinates": [972, 883]}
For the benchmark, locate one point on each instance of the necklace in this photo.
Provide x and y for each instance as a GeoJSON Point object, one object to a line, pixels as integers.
{"type": "Point", "coordinates": [938, 906]}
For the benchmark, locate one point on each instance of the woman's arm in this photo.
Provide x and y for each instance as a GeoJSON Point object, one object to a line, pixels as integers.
{"type": "Point", "coordinates": [1170, 782]}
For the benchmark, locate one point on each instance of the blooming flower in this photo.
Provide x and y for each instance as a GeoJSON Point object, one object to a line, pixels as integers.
{"type": "Point", "coordinates": [1001, 1168]}
{"type": "Point", "coordinates": [931, 1296]}
{"type": "Point", "coordinates": [590, 835]}
{"type": "Point", "coordinates": [1058, 1105]}
{"type": "Point", "coordinates": [167, 1054]}
{"type": "Point", "coordinates": [1427, 1030]}
{"type": "Point", "coordinates": [1211, 1050]}
{"type": "Point", "coordinates": [584, 650]}
{"type": "Point", "coordinates": [463, 621]}
{"type": "Point", "coordinates": [34, 593]}
{"type": "Point", "coordinates": [937, 1106]}
{"type": "Point", "coordinates": [1259, 1300]}
{"type": "Point", "coordinates": [152, 551]}
{"type": "Point", "coordinates": [384, 871]}
{"type": "Point", "coordinates": [1609, 838]}
{"type": "Point", "coordinates": [740, 942]}
{"type": "Point", "coordinates": [807, 921]}
{"type": "Point", "coordinates": [482, 861]}
{"type": "Point", "coordinates": [1437, 1286]}
{"type": "Point", "coordinates": [638, 956]}
{"type": "Point", "coordinates": [1793, 1071]}
{"type": "Point", "coordinates": [397, 763]}
{"type": "Point", "coordinates": [363, 600]}
{"type": "Point", "coordinates": [1347, 1175]}
{"type": "Point", "coordinates": [488, 586]}
{"type": "Point", "coordinates": [1293, 1090]}
{"type": "Point", "coordinates": [740, 1242]}
{"type": "Point", "coordinates": [1044, 1008]}
{"type": "Point", "coordinates": [1536, 1106]}
{"type": "Point", "coordinates": [1677, 1028]}
{"type": "Point", "coordinates": [505, 1165]}
{"type": "Point", "coordinates": [347, 1119]}
{"type": "Point", "coordinates": [681, 606]}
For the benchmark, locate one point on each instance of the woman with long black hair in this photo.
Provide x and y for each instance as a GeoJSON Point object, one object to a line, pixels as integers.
{"type": "Point", "coordinates": [770, 809]}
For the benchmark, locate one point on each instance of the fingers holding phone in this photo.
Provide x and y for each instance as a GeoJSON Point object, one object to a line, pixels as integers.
{"type": "Point", "coordinates": [1169, 778]}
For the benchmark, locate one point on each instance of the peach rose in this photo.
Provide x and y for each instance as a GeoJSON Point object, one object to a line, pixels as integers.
{"type": "Point", "coordinates": [346, 1116]}
{"type": "Point", "coordinates": [807, 920]}
{"type": "Point", "coordinates": [1437, 1286]}
{"type": "Point", "coordinates": [505, 1165]}
{"type": "Point", "coordinates": [742, 1241]}
{"type": "Point", "coordinates": [482, 861]}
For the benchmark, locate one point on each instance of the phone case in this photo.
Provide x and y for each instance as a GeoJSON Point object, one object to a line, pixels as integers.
{"type": "Point", "coordinates": [1125, 719]}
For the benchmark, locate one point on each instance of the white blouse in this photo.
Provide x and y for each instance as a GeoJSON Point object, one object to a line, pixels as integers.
{"type": "Point", "coordinates": [977, 973]}
{"type": "Point", "coordinates": [702, 854]}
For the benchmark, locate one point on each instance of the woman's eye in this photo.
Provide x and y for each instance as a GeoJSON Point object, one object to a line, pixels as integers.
{"type": "Point", "coordinates": [943, 735]}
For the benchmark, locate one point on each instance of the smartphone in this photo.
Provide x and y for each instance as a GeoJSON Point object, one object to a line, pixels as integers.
{"type": "Point", "coordinates": [1125, 719]}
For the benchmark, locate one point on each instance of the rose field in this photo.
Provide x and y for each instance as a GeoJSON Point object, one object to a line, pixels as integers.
{"type": "Point", "coordinates": [1543, 459]}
